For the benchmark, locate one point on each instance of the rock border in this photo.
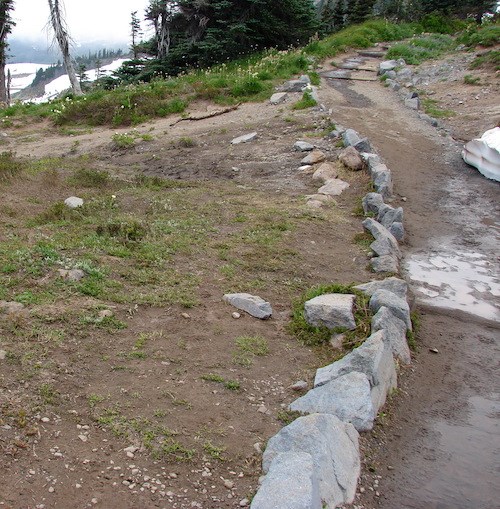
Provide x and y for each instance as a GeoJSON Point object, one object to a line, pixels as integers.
{"type": "Point", "coordinates": [348, 393]}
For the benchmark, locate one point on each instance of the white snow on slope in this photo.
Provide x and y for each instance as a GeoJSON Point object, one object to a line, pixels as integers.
{"type": "Point", "coordinates": [484, 154]}
{"type": "Point", "coordinates": [23, 74]}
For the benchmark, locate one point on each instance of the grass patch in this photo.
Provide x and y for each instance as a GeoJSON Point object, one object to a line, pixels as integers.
{"type": "Point", "coordinates": [10, 166]}
{"type": "Point", "coordinates": [88, 177]}
{"type": "Point", "coordinates": [486, 35]}
{"type": "Point", "coordinates": [489, 59]}
{"type": "Point", "coordinates": [307, 101]}
{"type": "Point", "coordinates": [432, 108]}
{"type": "Point", "coordinates": [472, 80]}
{"type": "Point", "coordinates": [412, 335]}
{"type": "Point", "coordinates": [312, 335]}
{"type": "Point", "coordinates": [232, 385]}
{"type": "Point", "coordinates": [419, 49]}
{"type": "Point", "coordinates": [214, 451]}
{"type": "Point", "coordinates": [249, 347]}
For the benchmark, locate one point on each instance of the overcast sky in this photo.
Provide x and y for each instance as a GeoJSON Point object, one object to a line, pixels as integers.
{"type": "Point", "coordinates": [87, 19]}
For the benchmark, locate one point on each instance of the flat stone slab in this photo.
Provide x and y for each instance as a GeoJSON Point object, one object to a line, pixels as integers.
{"type": "Point", "coordinates": [244, 139]}
{"type": "Point", "coordinates": [252, 304]}
{"type": "Point", "coordinates": [341, 74]}
{"type": "Point", "coordinates": [333, 446]}
{"type": "Point", "coordinates": [73, 202]}
{"type": "Point", "coordinates": [333, 187]}
{"type": "Point", "coordinates": [348, 397]}
{"type": "Point", "coordinates": [331, 310]}
{"type": "Point", "coordinates": [387, 65]}
{"type": "Point", "coordinates": [391, 284]}
{"type": "Point", "coordinates": [291, 482]}
{"type": "Point", "coordinates": [278, 98]}
{"type": "Point", "coordinates": [303, 146]}
{"type": "Point", "coordinates": [316, 156]}
{"type": "Point", "coordinates": [325, 172]}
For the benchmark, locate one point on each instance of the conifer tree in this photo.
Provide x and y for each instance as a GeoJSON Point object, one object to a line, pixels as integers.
{"type": "Point", "coordinates": [135, 32]}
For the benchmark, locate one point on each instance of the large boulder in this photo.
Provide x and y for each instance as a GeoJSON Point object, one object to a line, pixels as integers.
{"type": "Point", "coordinates": [252, 304]}
{"type": "Point", "coordinates": [372, 203]}
{"type": "Point", "coordinates": [348, 397]}
{"type": "Point", "coordinates": [333, 446]}
{"type": "Point", "coordinates": [290, 483]}
{"type": "Point", "coordinates": [331, 310]}
{"type": "Point", "coordinates": [351, 159]}
{"type": "Point", "coordinates": [374, 359]}
{"type": "Point", "coordinates": [484, 154]}
{"type": "Point", "coordinates": [385, 264]}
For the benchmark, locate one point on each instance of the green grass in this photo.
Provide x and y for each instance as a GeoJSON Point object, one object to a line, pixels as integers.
{"type": "Point", "coordinates": [472, 80]}
{"type": "Point", "coordinates": [10, 166]}
{"type": "Point", "coordinates": [249, 347]}
{"type": "Point", "coordinates": [480, 35]}
{"type": "Point", "coordinates": [312, 335]}
{"type": "Point", "coordinates": [432, 108]}
{"type": "Point", "coordinates": [488, 59]}
{"type": "Point", "coordinates": [232, 385]}
{"type": "Point", "coordinates": [307, 101]}
{"type": "Point", "coordinates": [419, 49]}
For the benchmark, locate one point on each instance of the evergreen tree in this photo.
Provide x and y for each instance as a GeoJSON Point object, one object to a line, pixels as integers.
{"type": "Point", "coordinates": [135, 32]}
{"type": "Point", "coordinates": [6, 24]}
{"type": "Point", "coordinates": [359, 10]}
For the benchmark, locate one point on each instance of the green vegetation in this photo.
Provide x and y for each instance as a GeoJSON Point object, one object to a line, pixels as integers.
{"type": "Point", "coordinates": [312, 335]}
{"type": "Point", "coordinates": [307, 101]}
{"type": "Point", "coordinates": [249, 347]}
{"type": "Point", "coordinates": [472, 80]}
{"type": "Point", "coordinates": [232, 385]}
{"type": "Point", "coordinates": [432, 108]}
{"type": "Point", "coordinates": [491, 58]}
{"type": "Point", "coordinates": [476, 35]}
{"type": "Point", "coordinates": [421, 48]}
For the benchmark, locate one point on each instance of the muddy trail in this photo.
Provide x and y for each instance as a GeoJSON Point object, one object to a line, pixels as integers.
{"type": "Point", "coordinates": [436, 445]}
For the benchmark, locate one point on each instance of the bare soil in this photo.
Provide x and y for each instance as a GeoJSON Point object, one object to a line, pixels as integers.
{"type": "Point", "coordinates": [74, 395]}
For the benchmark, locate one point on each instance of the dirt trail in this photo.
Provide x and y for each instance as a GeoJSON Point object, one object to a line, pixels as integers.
{"type": "Point", "coordinates": [438, 445]}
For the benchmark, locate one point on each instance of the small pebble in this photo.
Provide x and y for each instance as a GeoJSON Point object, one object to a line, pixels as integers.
{"type": "Point", "coordinates": [229, 484]}
{"type": "Point", "coordinates": [45, 419]}
{"type": "Point", "coordinates": [244, 502]}
{"type": "Point", "coordinates": [236, 315]}
{"type": "Point", "coordinates": [186, 316]}
{"type": "Point", "coordinates": [433, 350]}
{"type": "Point", "coordinates": [83, 438]}
{"type": "Point", "coordinates": [51, 489]}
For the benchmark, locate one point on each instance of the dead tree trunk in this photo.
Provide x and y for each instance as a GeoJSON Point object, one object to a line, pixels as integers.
{"type": "Point", "coordinates": [62, 37]}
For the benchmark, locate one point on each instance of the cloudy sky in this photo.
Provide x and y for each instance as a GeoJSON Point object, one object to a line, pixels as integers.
{"type": "Point", "coordinates": [87, 19]}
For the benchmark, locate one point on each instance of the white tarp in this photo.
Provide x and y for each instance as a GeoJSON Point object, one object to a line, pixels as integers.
{"type": "Point", "coordinates": [484, 154]}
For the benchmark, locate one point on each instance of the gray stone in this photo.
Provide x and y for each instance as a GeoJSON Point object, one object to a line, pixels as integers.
{"type": "Point", "coordinates": [305, 79]}
{"type": "Point", "coordinates": [333, 187]}
{"type": "Point", "coordinates": [348, 397]}
{"type": "Point", "coordinates": [397, 229]}
{"type": "Point", "coordinates": [404, 74]}
{"type": "Point", "coordinates": [303, 146]}
{"type": "Point", "coordinates": [363, 145]}
{"type": "Point", "coordinates": [391, 75]}
{"type": "Point", "coordinates": [336, 133]}
{"type": "Point", "coordinates": [323, 198]}
{"type": "Point", "coordinates": [331, 310]}
{"type": "Point", "coordinates": [395, 333]}
{"type": "Point", "coordinates": [392, 284]}
{"type": "Point", "coordinates": [326, 172]}
{"type": "Point", "coordinates": [372, 203]}
{"type": "Point", "coordinates": [313, 92]}
{"type": "Point", "coordinates": [384, 264]}
{"type": "Point", "coordinates": [73, 202]}
{"type": "Point", "coordinates": [430, 120]}
{"type": "Point", "coordinates": [382, 179]}
{"type": "Point", "coordinates": [252, 304]}
{"type": "Point", "coordinates": [387, 65]}
{"type": "Point", "coordinates": [398, 306]}
{"type": "Point", "coordinates": [340, 74]}
{"type": "Point", "coordinates": [350, 137]}
{"type": "Point", "coordinates": [393, 85]}
{"type": "Point", "coordinates": [314, 204]}
{"type": "Point", "coordinates": [388, 215]}
{"type": "Point", "coordinates": [244, 139]}
{"type": "Point", "coordinates": [278, 98]}
{"type": "Point", "coordinates": [351, 158]}
{"type": "Point", "coordinates": [10, 307]}
{"type": "Point", "coordinates": [413, 103]}
{"type": "Point", "coordinates": [301, 385]}
{"type": "Point", "coordinates": [333, 446]}
{"type": "Point", "coordinates": [316, 156]}
{"type": "Point", "coordinates": [291, 482]}
{"type": "Point", "coordinates": [294, 86]}
{"type": "Point", "coordinates": [371, 160]}
{"type": "Point", "coordinates": [385, 241]}
{"type": "Point", "coordinates": [374, 359]}
{"type": "Point", "coordinates": [3, 355]}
